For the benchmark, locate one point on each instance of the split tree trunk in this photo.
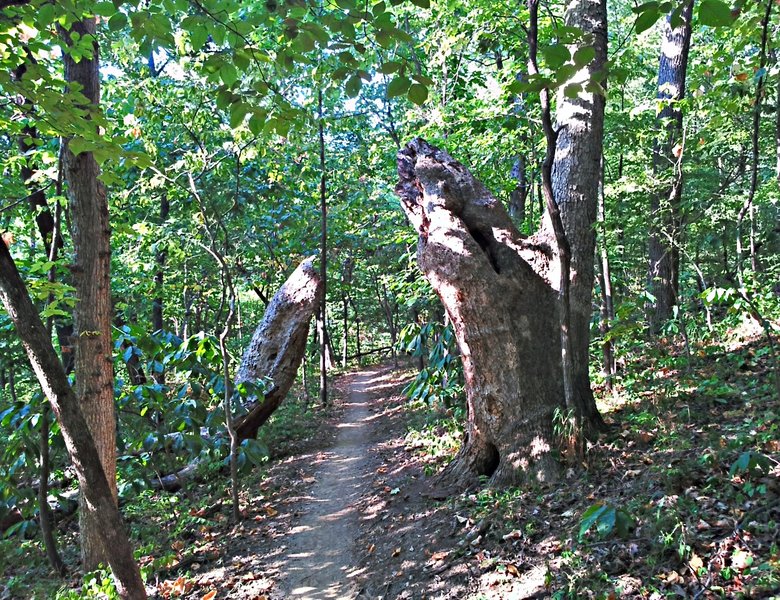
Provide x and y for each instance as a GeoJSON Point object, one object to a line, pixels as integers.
{"type": "Point", "coordinates": [666, 220]}
{"type": "Point", "coordinates": [95, 487]}
{"type": "Point", "coordinates": [497, 292]}
{"type": "Point", "coordinates": [278, 345]}
{"type": "Point", "coordinates": [94, 365]}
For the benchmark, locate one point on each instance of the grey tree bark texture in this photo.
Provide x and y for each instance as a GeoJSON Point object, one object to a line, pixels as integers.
{"type": "Point", "coordinates": [575, 178]}
{"type": "Point", "coordinates": [278, 345]}
{"type": "Point", "coordinates": [496, 288]}
{"type": "Point", "coordinates": [98, 494]}
{"type": "Point", "coordinates": [666, 220]}
{"type": "Point", "coordinates": [91, 278]}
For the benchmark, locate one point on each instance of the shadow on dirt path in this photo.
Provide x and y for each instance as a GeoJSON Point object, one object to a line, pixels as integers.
{"type": "Point", "coordinates": [319, 560]}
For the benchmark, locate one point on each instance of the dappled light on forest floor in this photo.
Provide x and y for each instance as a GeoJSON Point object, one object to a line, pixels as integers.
{"type": "Point", "coordinates": [318, 561]}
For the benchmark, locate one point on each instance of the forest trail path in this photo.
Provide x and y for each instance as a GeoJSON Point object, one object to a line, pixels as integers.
{"type": "Point", "coordinates": [319, 561]}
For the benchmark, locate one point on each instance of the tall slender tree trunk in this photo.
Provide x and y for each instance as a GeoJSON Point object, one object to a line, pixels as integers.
{"type": "Point", "coordinates": [44, 511]}
{"type": "Point", "coordinates": [666, 218]}
{"type": "Point", "coordinates": [100, 500]}
{"type": "Point", "coordinates": [52, 243]}
{"type": "Point", "coordinates": [777, 128]}
{"type": "Point", "coordinates": [345, 330]}
{"type": "Point", "coordinates": [91, 278]}
{"type": "Point", "coordinates": [748, 208]}
{"type": "Point", "coordinates": [158, 322]}
{"type": "Point", "coordinates": [607, 308]}
{"type": "Point", "coordinates": [322, 321]}
{"type": "Point", "coordinates": [575, 178]}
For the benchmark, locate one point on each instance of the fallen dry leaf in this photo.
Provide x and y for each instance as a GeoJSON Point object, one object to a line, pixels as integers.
{"type": "Point", "coordinates": [271, 511]}
{"type": "Point", "coordinates": [741, 560]}
{"type": "Point", "coordinates": [371, 548]}
{"type": "Point", "coordinates": [397, 551]}
{"type": "Point", "coordinates": [695, 563]}
{"type": "Point", "coordinates": [210, 596]}
{"type": "Point", "coordinates": [512, 570]}
{"type": "Point", "coordinates": [439, 555]}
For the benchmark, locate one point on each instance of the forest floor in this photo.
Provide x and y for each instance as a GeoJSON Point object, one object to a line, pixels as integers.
{"type": "Point", "coordinates": [349, 516]}
{"type": "Point", "coordinates": [681, 498]}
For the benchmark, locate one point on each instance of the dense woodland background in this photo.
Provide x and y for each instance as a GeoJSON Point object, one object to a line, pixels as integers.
{"type": "Point", "coordinates": [234, 139]}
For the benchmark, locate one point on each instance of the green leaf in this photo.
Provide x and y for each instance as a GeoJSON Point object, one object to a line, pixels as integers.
{"type": "Point", "coordinates": [352, 88]}
{"type": "Point", "coordinates": [645, 7]}
{"type": "Point", "coordinates": [238, 111]}
{"type": "Point", "coordinates": [77, 145]}
{"type": "Point", "coordinates": [390, 67]}
{"type": "Point", "coordinates": [45, 16]}
{"type": "Point", "coordinates": [398, 86]}
{"type": "Point", "coordinates": [646, 20]}
{"type": "Point", "coordinates": [572, 90]}
{"type": "Point", "coordinates": [103, 9]}
{"type": "Point", "coordinates": [198, 36]}
{"type": "Point", "coordinates": [555, 55]}
{"type": "Point", "coordinates": [418, 93]}
{"type": "Point", "coordinates": [590, 517]}
{"type": "Point", "coordinates": [421, 3]}
{"type": "Point", "coordinates": [715, 13]}
{"type": "Point", "coordinates": [304, 41]}
{"type": "Point", "coordinates": [228, 74]}
{"type": "Point", "coordinates": [117, 22]}
{"type": "Point", "coordinates": [584, 55]}
{"type": "Point", "coordinates": [423, 79]}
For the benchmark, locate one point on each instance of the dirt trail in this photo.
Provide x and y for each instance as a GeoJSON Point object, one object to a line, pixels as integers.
{"type": "Point", "coordinates": [319, 560]}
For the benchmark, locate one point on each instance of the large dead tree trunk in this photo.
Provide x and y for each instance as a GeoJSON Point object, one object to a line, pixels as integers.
{"type": "Point", "coordinates": [496, 288]}
{"type": "Point", "coordinates": [278, 345]}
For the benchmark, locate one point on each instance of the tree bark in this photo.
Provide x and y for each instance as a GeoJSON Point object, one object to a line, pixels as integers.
{"type": "Point", "coordinates": [92, 281]}
{"type": "Point", "coordinates": [322, 322]}
{"type": "Point", "coordinates": [495, 287]}
{"type": "Point", "coordinates": [575, 179]}
{"type": "Point", "coordinates": [607, 307]}
{"type": "Point", "coordinates": [99, 497]}
{"type": "Point", "coordinates": [278, 345]}
{"type": "Point", "coordinates": [666, 220]}
{"type": "Point", "coordinates": [160, 257]}
{"type": "Point", "coordinates": [777, 128]}
{"type": "Point", "coordinates": [748, 208]}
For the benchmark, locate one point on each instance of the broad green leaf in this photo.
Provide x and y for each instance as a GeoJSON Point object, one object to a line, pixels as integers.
{"type": "Point", "coordinates": [398, 86]}
{"type": "Point", "coordinates": [644, 7]}
{"type": "Point", "coordinates": [304, 42]}
{"type": "Point", "coordinates": [646, 20]}
{"type": "Point", "coordinates": [104, 9]}
{"type": "Point", "coordinates": [715, 13]}
{"type": "Point", "coordinates": [238, 111]}
{"type": "Point", "coordinates": [418, 93]}
{"type": "Point", "coordinates": [423, 79]}
{"type": "Point", "coordinates": [421, 3]}
{"type": "Point", "coordinates": [352, 88]}
{"type": "Point", "coordinates": [198, 36]}
{"type": "Point", "coordinates": [584, 55]}
{"type": "Point", "coordinates": [572, 90]}
{"type": "Point", "coordinates": [228, 74]}
{"type": "Point", "coordinates": [117, 22]}
{"type": "Point", "coordinates": [390, 67]}
{"type": "Point", "coordinates": [555, 55]}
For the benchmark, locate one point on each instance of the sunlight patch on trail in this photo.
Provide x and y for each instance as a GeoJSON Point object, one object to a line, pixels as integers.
{"type": "Point", "coordinates": [319, 561]}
